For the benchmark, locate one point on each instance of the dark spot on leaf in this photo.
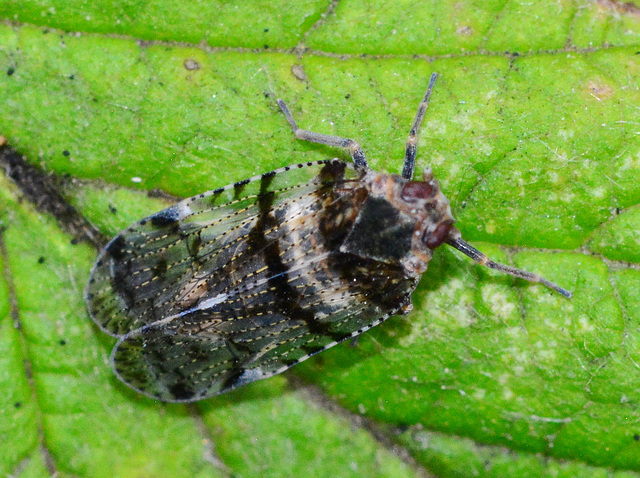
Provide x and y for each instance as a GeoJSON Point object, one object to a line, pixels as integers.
{"type": "Point", "coordinates": [11, 71]}
{"type": "Point", "coordinates": [41, 260]}
{"type": "Point", "coordinates": [66, 153]}
{"type": "Point", "coordinates": [63, 342]}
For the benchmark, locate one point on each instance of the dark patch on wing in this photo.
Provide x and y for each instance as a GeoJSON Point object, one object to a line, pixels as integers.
{"type": "Point", "coordinates": [160, 267]}
{"type": "Point", "coordinates": [332, 173]}
{"type": "Point", "coordinates": [181, 390]}
{"type": "Point", "coordinates": [287, 298]}
{"type": "Point", "coordinates": [116, 248]}
{"type": "Point", "coordinates": [165, 218]}
{"type": "Point", "coordinates": [383, 284]}
{"type": "Point", "coordinates": [239, 187]}
{"type": "Point", "coordinates": [232, 378]}
{"type": "Point", "coordinates": [313, 349]}
{"type": "Point", "coordinates": [194, 242]}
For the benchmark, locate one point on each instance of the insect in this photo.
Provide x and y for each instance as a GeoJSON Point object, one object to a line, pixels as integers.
{"type": "Point", "coordinates": [243, 282]}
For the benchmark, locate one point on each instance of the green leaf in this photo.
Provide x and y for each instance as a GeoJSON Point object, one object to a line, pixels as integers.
{"type": "Point", "coordinates": [532, 133]}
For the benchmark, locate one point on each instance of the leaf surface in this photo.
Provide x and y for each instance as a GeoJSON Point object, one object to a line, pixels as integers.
{"type": "Point", "coordinates": [532, 131]}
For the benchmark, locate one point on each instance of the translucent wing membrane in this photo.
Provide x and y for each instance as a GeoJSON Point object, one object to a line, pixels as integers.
{"type": "Point", "coordinates": [234, 284]}
{"type": "Point", "coordinates": [160, 266]}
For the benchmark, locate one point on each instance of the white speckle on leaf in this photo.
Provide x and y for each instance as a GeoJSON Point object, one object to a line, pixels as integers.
{"type": "Point", "coordinates": [585, 324]}
{"type": "Point", "coordinates": [518, 370]}
{"type": "Point", "coordinates": [437, 160]}
{"type": "Point", "coordinates": [483, 146]}
{"type": "Point", "coordinates": [554, 177]}
{"type": "Point", "coordinates": [490, 226]}
{"type": "Point", "coordinates": [630, 162]}
{"type": "Point", "coordinates": [547, 353]}
{"type": "Point", "coordinates": [479, 394]}
{"type": "Point", "coordinates": [500, 304]}
{"type": "Point", "coordinates": [436, 128]}
{"type": "Point", "coordinates": [566, 133]}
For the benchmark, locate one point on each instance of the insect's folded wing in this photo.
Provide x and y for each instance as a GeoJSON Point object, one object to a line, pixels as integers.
{"type": "Point", "coordinates": [192, 357]}
{"type": "Point", "coordinates": [172, 366]}
{"type": "Point", "coordinates": [150, 272]}
{"type": "Point", "coordinates": [193, 250]}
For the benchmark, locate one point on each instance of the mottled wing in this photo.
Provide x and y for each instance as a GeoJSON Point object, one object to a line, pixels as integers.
{"type": "Point", "coordinates": [169, 262]}
{"type": "Point", "coordinates": [237, 284]}
{"type": "Point", "coordinates": [166, 362]}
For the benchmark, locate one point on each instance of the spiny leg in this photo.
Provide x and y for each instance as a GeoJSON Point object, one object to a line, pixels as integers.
{"type": "Point", "coordinates": [354, 148]}
{"type": "Point", "coordinates": [411, 148]}
{"type": "Point", "coordinates": [482, 259]}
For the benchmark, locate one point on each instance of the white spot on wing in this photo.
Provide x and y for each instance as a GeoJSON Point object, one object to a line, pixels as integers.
{"type": "Point", "coordinates": [183, 209]}
{"type": "Point", "coordinates": [249, 375]}
{"type": "Point", "coordinates": [209, 303]}
{"type": "Point", "coordinates": [204, 305]}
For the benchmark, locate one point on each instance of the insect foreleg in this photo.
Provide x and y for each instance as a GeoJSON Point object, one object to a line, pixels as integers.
{"type": "Point", "coordinates": [354, 148]}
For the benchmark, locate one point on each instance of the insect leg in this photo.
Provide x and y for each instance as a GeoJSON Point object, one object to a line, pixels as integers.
{"type": "Point", "coordinates": [482, 259]}
{"type": "Point", "coordinates": [354, 148]}
{"type": "Point", "coordinates": [410, 150]}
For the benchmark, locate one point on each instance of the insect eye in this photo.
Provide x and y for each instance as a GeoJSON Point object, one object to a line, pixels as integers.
{"type": "Point", "coordinates": [438, 236]}
{"type": "Point", "coordinates": [414, 190]}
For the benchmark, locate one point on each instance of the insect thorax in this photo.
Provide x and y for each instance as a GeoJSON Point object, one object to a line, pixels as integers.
{"type": "Point", "coordinates": [389, 219]}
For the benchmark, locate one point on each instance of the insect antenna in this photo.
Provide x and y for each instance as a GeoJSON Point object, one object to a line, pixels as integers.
{"type": "Point", "coordinates": [482, 259]}
{"type": "Point", "coordinates": [412, 140]}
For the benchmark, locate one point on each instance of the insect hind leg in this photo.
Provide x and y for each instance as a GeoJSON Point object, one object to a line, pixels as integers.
{"type": "Point", "coordinates": [356, 152]}
{"type": "Point", "coordinates": [411, 148]}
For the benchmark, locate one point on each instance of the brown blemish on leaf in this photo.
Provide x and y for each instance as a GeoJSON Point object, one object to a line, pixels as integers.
{"type": "Point", "coordinates": [191, 64]}
{"type": "Point", "coordinates": [464, 31]}
{"type": "Point", "coordinates": [298, 72]}
{"type": "Point", "coordinates": [628, 8]}
{"type": "Point", "coordinates": [600, 90]}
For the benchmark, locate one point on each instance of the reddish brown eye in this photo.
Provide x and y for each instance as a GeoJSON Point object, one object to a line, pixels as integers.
{"type": "Point", "coordinates": [438, 236]}
{"type": "Point", "coordinates": [416, 190]}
